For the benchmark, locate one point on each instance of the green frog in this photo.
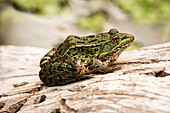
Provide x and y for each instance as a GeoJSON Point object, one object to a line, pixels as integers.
{"type": "Point", "coordinates": [79, 57]}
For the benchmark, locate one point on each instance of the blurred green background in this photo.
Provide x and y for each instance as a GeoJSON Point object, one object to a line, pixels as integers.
{"type": "Point", "coordinates": [46, 23]}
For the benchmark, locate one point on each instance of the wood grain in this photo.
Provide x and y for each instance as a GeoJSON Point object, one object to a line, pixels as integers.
{"type": "Point", "coordinates": [142, 84]}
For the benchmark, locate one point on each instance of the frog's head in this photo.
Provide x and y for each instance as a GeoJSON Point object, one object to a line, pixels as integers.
{"type": "Point", "coordinates": [118, 42]}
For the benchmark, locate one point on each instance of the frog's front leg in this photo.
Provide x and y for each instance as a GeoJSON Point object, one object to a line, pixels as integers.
{"type": "Point", "coordinates": [97, 65]}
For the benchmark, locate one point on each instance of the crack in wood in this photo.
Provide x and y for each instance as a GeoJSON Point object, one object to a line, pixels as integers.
{"type": "Point", "coordinates": [135, 70]}
{"type": "Point", "coordinates": [16, 107]}
{"type": "Point", "coordinates": [157, 60]}
{"type": "Point", "coordinates": [64, 107]}
{"type": "Point", "coordinates": [30, 91]}
{"type": "Point", "coordinates": [56, 111]}
{"type": "Point", "coordinates": [142, 62]}
{"type": "Point", "coordinates": [109, 94]}
{"type": "Point", "coordinates": [2, 104]}
{"type": "Point", "coordinates": [20, 84]}
{"type": "Point", "coordinates": [158, 73]}
{"type": "Point", "coordinates": [39, 99]}
{"type": "Point", "coordinates": [137, 62]}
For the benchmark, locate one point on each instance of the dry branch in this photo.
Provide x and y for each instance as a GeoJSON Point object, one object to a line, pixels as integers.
{"type": "Point", "coordinates": [142, 84]}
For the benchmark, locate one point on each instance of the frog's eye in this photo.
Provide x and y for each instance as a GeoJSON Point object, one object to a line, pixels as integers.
{"type": "Point", "coordinates": [115, 39]}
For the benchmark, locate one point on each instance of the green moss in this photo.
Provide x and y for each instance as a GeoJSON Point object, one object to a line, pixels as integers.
{"type": "Point", "coordinates": [94, 22]}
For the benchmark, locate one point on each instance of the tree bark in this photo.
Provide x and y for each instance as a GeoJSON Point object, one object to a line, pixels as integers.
{"type": "Point", "coordinates": [142, 84]}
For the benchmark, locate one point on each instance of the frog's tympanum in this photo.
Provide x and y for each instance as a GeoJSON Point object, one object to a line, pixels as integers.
{"type": "Point", "coordinates": [78, 57]}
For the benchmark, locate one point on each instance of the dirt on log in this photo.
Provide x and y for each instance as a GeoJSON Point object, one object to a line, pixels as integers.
{"type": "Point", "coordinates": [142, 84]}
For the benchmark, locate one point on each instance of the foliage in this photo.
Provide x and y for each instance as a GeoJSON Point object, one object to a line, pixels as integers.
{"type": "Point", "coordinates": [94, 22]}
{"type": "Point", "coordinates": [151, 11]}
{"type": "Point", "coordinates": [40, 6]}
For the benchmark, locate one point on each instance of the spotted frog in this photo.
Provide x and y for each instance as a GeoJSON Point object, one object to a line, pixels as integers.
{"type": "Point", "coordinates": [78, 57]}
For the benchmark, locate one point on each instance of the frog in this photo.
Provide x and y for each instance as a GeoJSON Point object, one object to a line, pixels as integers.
{"type": "Point", "coordinates": [80, 57]}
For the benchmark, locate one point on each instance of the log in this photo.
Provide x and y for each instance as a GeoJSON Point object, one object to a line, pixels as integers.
{"type": "Point", "coordinates": [142, 84]}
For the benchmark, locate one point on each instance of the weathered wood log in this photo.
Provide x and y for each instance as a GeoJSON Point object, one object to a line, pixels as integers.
{"type": "Point", "coordinates": [142, 84]}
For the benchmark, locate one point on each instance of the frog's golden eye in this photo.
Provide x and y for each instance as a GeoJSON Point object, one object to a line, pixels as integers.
{"type": "Point", "coordinates": [115, 39]}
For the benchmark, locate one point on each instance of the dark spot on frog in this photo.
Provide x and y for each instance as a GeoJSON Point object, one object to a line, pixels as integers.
{"type": "Point", "coordinates": [124, 37]}
{"type": "Point", "coordinates": [74, 54]}
{"type": "Point", "coordinates": [103, 40]}
{"type": "Point", "coordinates": [91, 68]}
{"type": "Point", "coordinates": [91, 36]}
{"type": "Point", "coordinates": [75, 57]}
{"type": "Point", "coordinates": [86, 65]}
{"type": "Point", "coordinates": [54, 49]}
{"type": "Point", "coordinates": [80, 42]}
{"type": "Point", "coordinates": [86, 56]}
{"type": "Point", "coordinates": [111, 60]}
{"type": "Point", "coordinates": [77, 37]}
{"type": "Point", "coordinates": [96, 49]}
{"type": "Point", "coordinates": [82, 60]}
{"type": "Point", "coordinates": [85, 39]}
{"type": "Point", "coordinates": [82, 53]}
{"type": "Point", "coordinates": [82, 50]}
{"type": "Point", "coordinates": [90, 63]}
{"type": "Point", "coordinates": [69, 67]}
{"type": "Point", "coordinates": [94, 40]}
{"type": "Point", "coordinates": [92, 46]}
{"type": "Point", "coordinates": [104, 60]}
{"type": "Point", "coordinates": [48, 55]}
{"type": "Point", "coordinates": [96, 66]}
{"type": "Point", "coordinates": [103, 63]}
{"type": "Point", "coordinates": [68, 53]}
{"type": "Point", "coordinates": [43, 60]}
{"type": "Point", "coordinates": [60, 51]}
{"type": "Point", "coordinates": [72, 69]}
{"type": "Point", "coordinates": [61, 45]}
{"type": "Point", "coordinates": [60, 68]}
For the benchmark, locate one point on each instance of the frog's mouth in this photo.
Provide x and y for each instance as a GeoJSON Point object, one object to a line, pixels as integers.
{"type": "Point", "coordinates": [125, 42]}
